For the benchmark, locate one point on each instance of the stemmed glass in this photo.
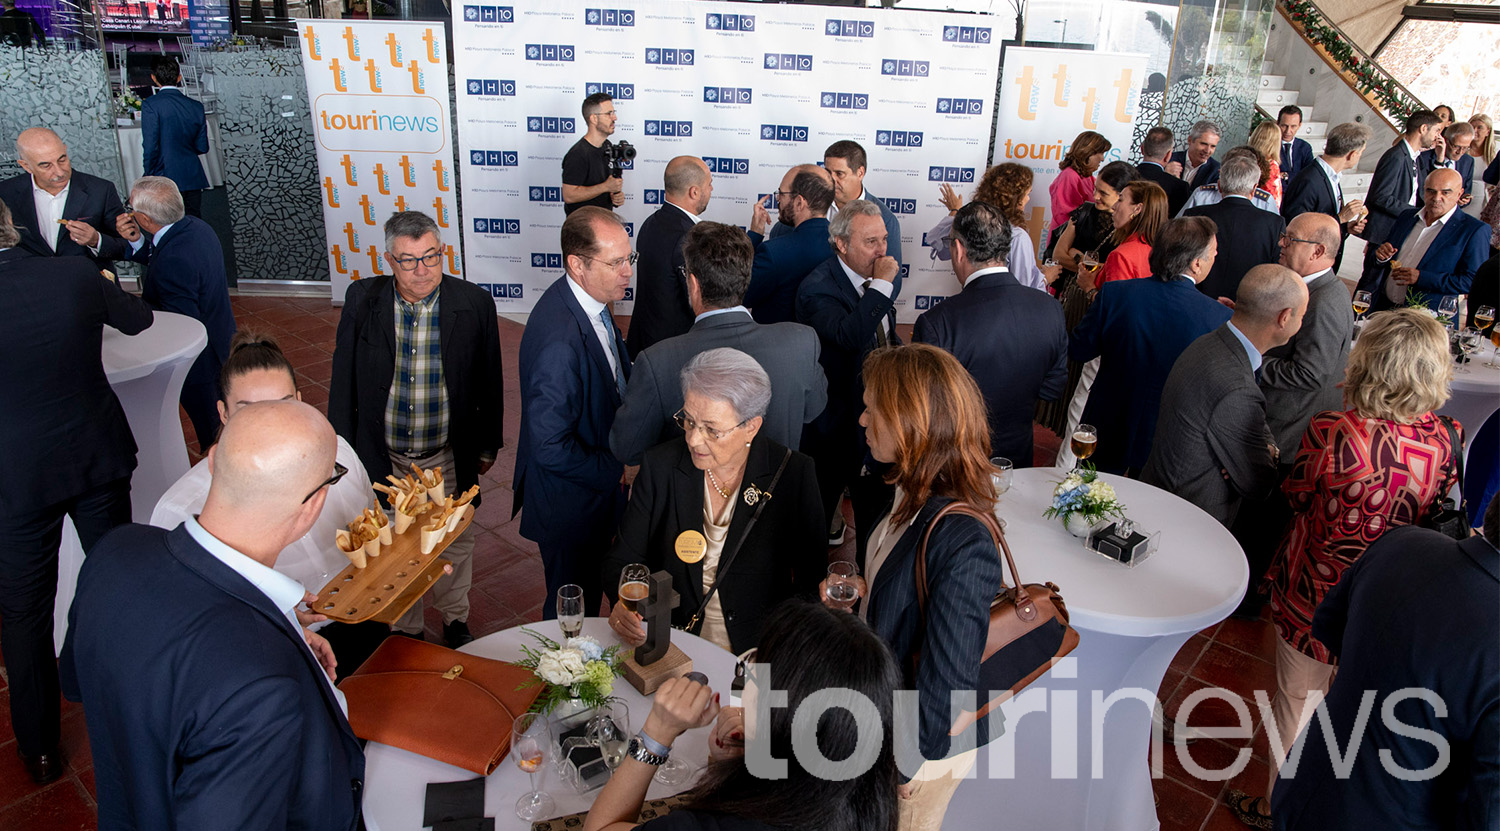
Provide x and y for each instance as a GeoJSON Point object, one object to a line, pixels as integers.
{"type": "Point", "coordinates": [1468, 341]}
{"type": "Point", "coordinates": [1362, 301]}
{"type": "Point", "coordinates": [1484, 316]}
{"type": "Point", "coordinates": [842, 586]}
{"type": "Point", "coordinates": [530, 736]}
{"type": "Point", "coordinates": [1448, 309]}
{"type": "Point", "coordinates": [1085, 439]}
{"type": "Point", "coordinates": [609, 731]}
{"type": "Point", "coordinates": [635, 585]}
{"type": "Point", "coordinates": [570, 610]}
{"type": "Point", "coordinates": [1001, 477]}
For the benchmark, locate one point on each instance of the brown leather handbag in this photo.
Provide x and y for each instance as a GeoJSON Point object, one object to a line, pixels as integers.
{"type": "Point", "coordinates": [1029, 628]}
{"type": "Point", "coordinates": [445, 705]}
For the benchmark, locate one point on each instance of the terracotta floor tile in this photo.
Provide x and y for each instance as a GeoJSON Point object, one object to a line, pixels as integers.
{"type": "Point", "coordinates": [1225, 666]}
{"type": "Point", "coordinates": [62, 806]}
{"type": "Point", "coordinates": [1215, 710]}
{"type": "Point", "coordinates": [1188, 654]}
{"type": "Point", "coordinates": [1256, 637]}
{"type": "Point", "coordinates": [15, 783]}
{"type": "Point", "coordinates": [1215, 758]}
{"type": "Point", "coordinates": [86, 778]}
{"type": "Point", "coordinates": [75, 741]}
{"type": "Point", "coordinates": [1181, 808]}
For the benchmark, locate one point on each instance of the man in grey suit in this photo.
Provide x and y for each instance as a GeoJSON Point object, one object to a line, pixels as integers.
{"type": "Point", "coordinates": [718, 259]}
{"type": "Point", "coordinates": [1212, 446]}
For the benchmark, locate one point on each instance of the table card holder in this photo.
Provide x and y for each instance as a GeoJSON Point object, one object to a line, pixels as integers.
{"type": "Point", "coordinates": [658, 658]}
{"type": "Point", "coordinates": [1122, 542]}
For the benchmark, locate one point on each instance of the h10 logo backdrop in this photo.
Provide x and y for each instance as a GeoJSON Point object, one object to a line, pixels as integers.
{"type": "Point", "coordinates": [1048, 97]}
{"type": "Point", "coordinates": [750, 89]}
{"type": "Point", "coordinates": [379, 94]}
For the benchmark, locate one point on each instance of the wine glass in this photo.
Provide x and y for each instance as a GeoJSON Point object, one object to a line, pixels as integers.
{"type": "Point", "coordinates": [1448, 309]}
{"type": "Point", "coordinates": [609, 730]}
{"type": "Point", "coordinates": [530, 736]}
{"type": "Point", "coordinates": [1484, 317]}
{"type": "Point", "coordinates": [1468, 341]}
{"type": "Point", "coordinates": [635, 585]}
{"type": "Point", "coordinates": [842, 585]}
{"type": "Point", "coordinates": [1362, 300]}
{"type": "Point", "coordinates": [1085, 439]}
{"type": "Point", "coordinates": [570, 610]}
{"type": "Point", "coordinates": [1001, 475]}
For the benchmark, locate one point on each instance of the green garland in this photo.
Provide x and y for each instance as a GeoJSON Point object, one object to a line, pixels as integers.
{"type": "Point", "coordinates": [1368, 77]}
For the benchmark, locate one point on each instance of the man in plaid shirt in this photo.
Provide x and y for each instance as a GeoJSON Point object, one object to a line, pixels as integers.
{"type": "Point", "coordinates": [416, 380]}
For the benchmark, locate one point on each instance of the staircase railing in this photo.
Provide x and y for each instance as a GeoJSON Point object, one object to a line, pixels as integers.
{"type": "Point", "coordinates": [1379, 88]}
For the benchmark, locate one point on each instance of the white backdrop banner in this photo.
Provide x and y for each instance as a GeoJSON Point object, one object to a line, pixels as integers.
{"type": "Point", "coordinates": [1049, 96]}
{"type": "Point", "coordinates": [752, 89]}
{"type": "Point", "coordinates": [379, 97]}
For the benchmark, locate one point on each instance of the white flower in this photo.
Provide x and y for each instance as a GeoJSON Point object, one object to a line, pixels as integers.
{"type": "Point", "coordinates": [590, 648]}
{"type": "Point", "coordinates": [1102, 492]}
{"type": "Point", "coordinates": [561, 667]}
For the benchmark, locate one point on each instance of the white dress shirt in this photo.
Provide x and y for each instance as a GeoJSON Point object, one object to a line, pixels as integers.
{"type": "Point", "coordinates": [49, 209]}
{"type": "Point", "coordinates": [1414, 249]}
{"type": "Point", "coordinates": [690, 214]}
{"type": "Point", "coordinates": [994, 269]}
{"type": "Point", "coordinates": [135, 244]}
{"type": "Point", "coordinates": [1411, 153]}
{"type": "Point", "coordinates": [1188, 170]}
{"type": "Point", "coordinates": [833, 208]}
{"type": "Point", "coordinates": [1333, 181]}
{"type": "Point", "coordinates": [1308, 278]}
{"type": "Point", "coordinates": [592, 308]}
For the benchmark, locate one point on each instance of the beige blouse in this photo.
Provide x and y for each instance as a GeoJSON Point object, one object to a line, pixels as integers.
{"type": "Point", "coordinates": [882, 540]}
{"type": "Point", "coordinates": [715, 530]}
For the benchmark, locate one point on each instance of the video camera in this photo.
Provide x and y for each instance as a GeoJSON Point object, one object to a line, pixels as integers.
{"type": "Point", "coordinates": [616, 154]}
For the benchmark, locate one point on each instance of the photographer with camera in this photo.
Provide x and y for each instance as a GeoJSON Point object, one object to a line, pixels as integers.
{"type": "Point", "coordinates": [591, 170]}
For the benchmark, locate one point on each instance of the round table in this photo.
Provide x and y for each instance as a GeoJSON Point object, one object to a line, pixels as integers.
{"type": "Point", "coordinates": [146, 372]}
{"type": "Point", "coordinates": [1475, 394]}
{"type": "Point", "coordinates": [1132, 622]}
{"type": "Point", "coordinates": [396, 780]}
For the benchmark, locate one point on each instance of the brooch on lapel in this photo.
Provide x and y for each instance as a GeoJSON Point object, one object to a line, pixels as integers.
{"type": "Point", "coordinates": [754, 495]}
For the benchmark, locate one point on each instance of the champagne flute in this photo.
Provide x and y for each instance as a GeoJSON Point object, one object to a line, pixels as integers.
{"type": "Point", "coordinates": [570, 610]}
{"type": "Point", "coordinates": [634, 585]}
{"type": "Point", "coordinates": [842, 585]}
{"type": "Point", "coordinates": [1362, 300]}
{"type": "Point", "coordinates": [1485, 317]}
{"type": "Point", "coordinates": [1448, 309]}
{"type": "Point", "coordinates": [1085, 439]}
{"type": "Point", "coordinates": [610, 731]}
{"type": "Point", "coordinates": [530, 735]}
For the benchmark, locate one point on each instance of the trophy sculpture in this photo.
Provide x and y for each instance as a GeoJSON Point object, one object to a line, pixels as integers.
{"type": "Point", "coordinates": [658, 658]}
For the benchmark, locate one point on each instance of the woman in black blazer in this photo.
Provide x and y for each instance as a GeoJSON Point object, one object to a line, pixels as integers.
{"type": "Point", "coordinates": [925, 417]}
{"type": "Point", "coordinates": [694, 498]}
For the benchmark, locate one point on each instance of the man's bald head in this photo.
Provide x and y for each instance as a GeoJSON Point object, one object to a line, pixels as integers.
{"type": "Point", "coordinates": [1311, 243]}
{"type": "Point", "coordinates": [1269, 305]}
{"type": "Point", "coordinates": [682, 176]}
{"type": "Point", "coordinates": [270, 456]}
{"type": "Point", "coordinates": [44, 155]}
{"type": "Point", "coordinates": [1441, 192]}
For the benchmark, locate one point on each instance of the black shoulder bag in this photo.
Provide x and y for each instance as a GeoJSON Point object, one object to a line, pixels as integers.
{"type": "Point", "coordinates": [1450, 518]}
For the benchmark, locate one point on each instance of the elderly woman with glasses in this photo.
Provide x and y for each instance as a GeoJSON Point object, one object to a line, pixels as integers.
{"type": "Point", "coordinates": [695, 499]}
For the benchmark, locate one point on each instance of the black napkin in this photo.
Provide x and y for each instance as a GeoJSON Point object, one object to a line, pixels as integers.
{"type": "Point", "coordinates": [449, 801]}
{"type": "Point", "coordinates": [486, 824]}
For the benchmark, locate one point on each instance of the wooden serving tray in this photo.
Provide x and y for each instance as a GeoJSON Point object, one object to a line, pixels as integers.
{"type": "Point", "coordinates": [389, 584]}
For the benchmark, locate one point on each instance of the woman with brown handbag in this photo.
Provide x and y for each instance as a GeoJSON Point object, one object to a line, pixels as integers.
{"type": "Point", "coordinates": [925, 417]}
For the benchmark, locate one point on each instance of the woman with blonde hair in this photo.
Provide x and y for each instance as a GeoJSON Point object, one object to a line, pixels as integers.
{"type": "Point", "coordinates": [1483, 151]}
{"type": "Point", "coordinates": [1139, 216]}
{"type": "Point", "coordinates": [1075, 178]}
{"type": "Point", "coordinates": [1384, 462]}
{"type": "Point", "coordinates": [1007, 187]}
{"type": "Point", "coordinates": [1266, 139]}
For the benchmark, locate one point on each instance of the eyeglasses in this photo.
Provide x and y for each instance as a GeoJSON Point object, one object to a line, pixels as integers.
{"type": "Point", "coordinates": [1286, 235]}
{"type": "Point", "coordinates": [430, 260]}
{"type": "Point", "coordinates": [338, 473]}
{"type": "Point", "coordinates": [613, 265]}
{"type": "Point", "coordinates": [688, 425]}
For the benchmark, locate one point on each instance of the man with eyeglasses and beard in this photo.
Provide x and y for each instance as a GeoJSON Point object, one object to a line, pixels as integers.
{"type": "Point", "coordinates": [803, 199]}
{"type": "Point", "coordinates": [417, 381]}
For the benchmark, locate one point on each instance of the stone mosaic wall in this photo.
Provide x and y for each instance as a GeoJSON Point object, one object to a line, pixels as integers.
{"type": "Point", "coordinates": [83, 117]}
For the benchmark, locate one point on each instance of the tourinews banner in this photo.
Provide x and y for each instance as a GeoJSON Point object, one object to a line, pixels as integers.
{"type": "Point", "coordinates": [1048, 97]}
{"type": "Point", "coordinates": [378, 91]}
{"type": "Point", "coordinates": [751, 88]}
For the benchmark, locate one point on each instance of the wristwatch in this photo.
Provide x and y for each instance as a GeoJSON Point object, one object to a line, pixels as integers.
{"type": "Point", "coordinates": [638, 752]}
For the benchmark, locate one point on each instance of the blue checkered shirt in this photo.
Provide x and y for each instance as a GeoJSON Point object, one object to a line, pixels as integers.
{"type": "Point", "coordinates": [416, 414]}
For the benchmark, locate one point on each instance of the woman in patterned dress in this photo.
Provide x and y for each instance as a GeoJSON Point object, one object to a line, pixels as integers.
{"type": "Point", "coordinates": [1384, 462]}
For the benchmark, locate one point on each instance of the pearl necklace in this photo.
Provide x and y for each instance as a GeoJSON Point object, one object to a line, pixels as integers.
{"type": "Point", "coordinates": [712, 480]}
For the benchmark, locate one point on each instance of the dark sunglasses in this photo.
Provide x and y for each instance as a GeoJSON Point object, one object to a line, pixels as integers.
{"type": "Point", "coordinates": [338, 473]}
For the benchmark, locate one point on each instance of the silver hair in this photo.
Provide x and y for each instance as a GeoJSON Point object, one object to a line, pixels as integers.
{"type": "Point", "coordinates": [839, 226]}
{"type": "Point", "coordinates": [1345, 139]}
{"type": "Point", "coordinates": [411, 225]}
{"type": "Point", "coordinates": [158, 198]}
{"type": "Point", "coordinates": [1204, 127]}
{"type": "Point", "coordinates": [731, 376]}
{"type": "Point", "coordinates": [1238, 176]}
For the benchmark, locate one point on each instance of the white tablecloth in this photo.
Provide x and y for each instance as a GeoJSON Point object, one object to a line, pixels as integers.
{"type": "Point", "coordinates": [396, 780]}
{"type": "Point", "coordinates": [1132, 622]}
{"type": "Point", "coordinates": [1474, 394]}
{"type": "Point", "coordinates": [132, 153]}
{"type": "Point", "coordinates": [146, 372]}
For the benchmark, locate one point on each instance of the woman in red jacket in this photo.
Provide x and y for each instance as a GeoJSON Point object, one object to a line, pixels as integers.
{"type": "Point", "coordinates": [1139, 215]}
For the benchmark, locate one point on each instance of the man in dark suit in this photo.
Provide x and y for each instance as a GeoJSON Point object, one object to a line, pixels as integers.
{"type": "Point", "coordinates": [1438, 246]}
{"type": "Point", "coordinates": [1411, 766]}
{"type": "Point", "coordinates": [1156, 153]}
{"type": "Point", "coordinates": [1451, 153]}
{"type": "Point", "coordinates": [1140, 327]}
{"type": "Point", "coordinates": [71, 454]}
{"type": "Point", "coordinates": [174, 132]}
{"type": "Point", "coordinates": [1195, 164]}
{"type": "Point", "coordinates": [574, 366]}
{"type": "Point", "coordinates": [661, 302]}
{"type": "Point", "coordinates": [1394, 188]}
{"type": "Point", "coordinates": [845, 162]}
{"type": "Point", "coordinates": [781, 262]}
{"type": "Point", "coordinates": [417, 381]}
{"type": "Point", "coordinates": [1248, 236]}
{"type": "Point", "coordinates": [1212, 446]}
{"type": "Point", "coordinates": [184, 274]}
{"type": "Point", "coordinates": [1296, 153]}
{"type": "Point", "coordinates": [207, 704]}
{"type": "Point", "coordinates": [1317, 189]}
{"type": "Point", "coordinates": [849, 301]}
{"type": "Point", "coordinates": [18, 27]}
{"type": "Point", "coordinates": [1010, 337]}
{"type": "Point", "coordinates": [718, 267]}
{"type": "Point", "coordinates": [61, 212]}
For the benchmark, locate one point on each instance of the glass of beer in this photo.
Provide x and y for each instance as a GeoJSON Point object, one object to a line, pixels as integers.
{"type": "Point", "coordinates": [1085, 439]}
{"type": "Point", "coordinates": [634, 586]}
{"type": "Point", "coordinates": [570, 610]}
{"type": "Point", "coordinates": [1361, 303]}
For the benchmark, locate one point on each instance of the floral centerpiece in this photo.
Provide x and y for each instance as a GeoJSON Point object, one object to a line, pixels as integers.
{"type": "Point", "coordinates": [127, 103]}
{"type": "Point", "coordinates": [580, 669]}
{"type": "Point", "coordinates": [1081, 499]}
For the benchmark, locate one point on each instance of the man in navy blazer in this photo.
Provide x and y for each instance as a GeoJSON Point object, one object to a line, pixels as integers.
{"type": "Point", "coordinates": [1011, 338]}
{"type": "Point", "coordinates": [661, 301]}
{"type": "Point", "coordinates": [208, 705]}
{"type": "Point", "coordinates": [1433, 263]}
{"type": "Point", "coordinates": [1394, 187]}
{"type": "Point", "coordinates": [1405, 658]}
{"type": "Point", "coordinates": [781, 262]}
{"type": "Point", "coordinates": [845, 162]}
{"type": "Point", "coordinates": [1457, 140]}
{"type": "Point", "coordinates": [1317, 188]}
{"type": "Point", "coordinates": [1156, 154]}
{"type": "Point", "coordinates": [569, 487]}
{"type": "Point", "coordinates": [174, 132]}
{"type": "Point", "coordinates": [184, 274]}
{"type": "Point", "coordinates": [1296, 153]}
{"type": "Point", "coordinates": [1140, 327]}
{"type": "Point", "coordinates": [61, 212]}
{"type": "Point", "coordinates": [1196, 164]}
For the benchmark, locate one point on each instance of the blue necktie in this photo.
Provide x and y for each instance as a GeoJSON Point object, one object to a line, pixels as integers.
{"type": "Point", "coordinates": [614, 349]}
{"type": "Point", "coordinates": [1286, 157]}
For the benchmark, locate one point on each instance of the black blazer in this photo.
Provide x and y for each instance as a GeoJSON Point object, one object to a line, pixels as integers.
{"type": "Point", "coordinates": [1295, 158]}
{"type": "Point", "coordinates": [364, 362]}
{"type": "Point", "coordinates": [1389, 639]}
{"type": "Point", "coordinates": [185, 274]}
{"type": "Point", "coordinates": [661, 303]}
{"type": "Point", "coordinates": [1209, 172]}
{"type": "Point", "coordinates": [1311, 192]}
{"type": "Point", "coordinates": [1248, 237]}
{"type": "Point", "coordinates": [964, 573]}
{"type": "Point", "coordinates": [1013, 340]}
{"type": "Point", "coordinates": [1177, 190]}
{"type": "Point", "coordinates": [784, 556]}
{"type": "Point", "coordinates": [845, 322]}
{"type": "Point", "coordinates": [205, 707]}
{"type": "Point", "coordinates": [61, 428]}
{"type": "Point", "coordinates": [1391, 190]}
{"type": "Point", "coordinates": [90, 199]}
